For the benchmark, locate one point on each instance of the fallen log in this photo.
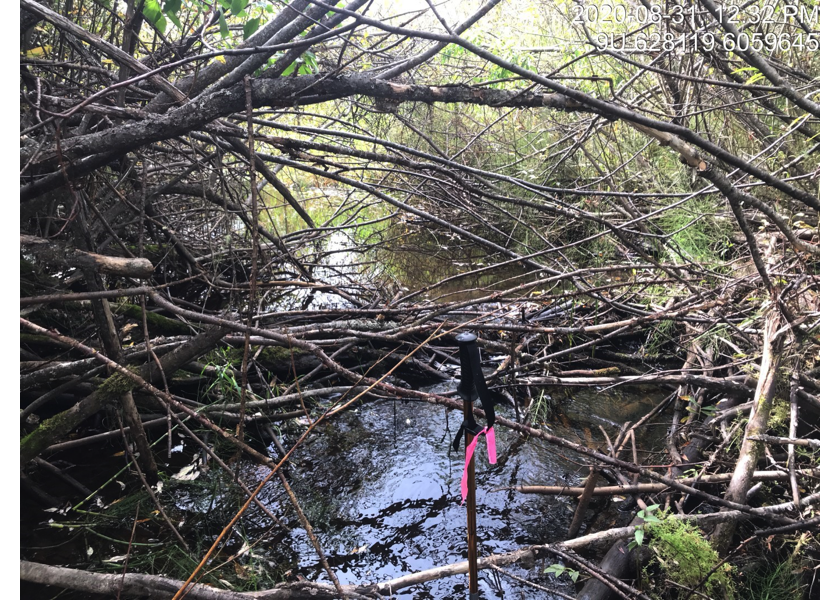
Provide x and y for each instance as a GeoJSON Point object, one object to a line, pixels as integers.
{"type": "Point", "coordinates": [752, 451]}
{"type": "Point", "coordinates": [649, 488]}
{"type": "Point", "coordinates": [715, 384]}
{"type": "Point", "coordinates": [63, 423]}
{"type": "Point", "coordinates": [772, 439]}
{"type": "Point", "coordinates": [114, 265]}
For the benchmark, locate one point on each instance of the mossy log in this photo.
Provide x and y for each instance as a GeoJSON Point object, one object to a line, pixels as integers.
{"type": "Point", "coordinates": [157, 323]}
{"type": "Point", "coordinates": [35, 340]}
{"type": "Point", "coordinates": [277, 359]}
{"type": "Point", "coordinates": [52, 429]}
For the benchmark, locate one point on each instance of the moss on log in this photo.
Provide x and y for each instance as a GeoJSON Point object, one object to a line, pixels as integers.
{"type": "Point", "coordinates": [160, 324]}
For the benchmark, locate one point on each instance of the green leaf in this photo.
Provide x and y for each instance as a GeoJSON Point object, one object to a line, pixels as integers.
{"type": "Point", "coordinates": [225, 3]}
{"type": "Point", "coordinates": [237, 6]}
{"type": "Point", "coordinates": [223, 26]}
{"type": "Point", "coordinates": [173, 16]}
{"type": "Point", "coordinates": [152, 12]}
{"type": "Point", "coordinates": [640, 536]}
{"type": "Point", "coordinates": [574, 575]}
{"type": "Point", "coordinates": [172, 5]}
{"type": "Point", "coordinates": [556, 570]}
{"type": "Point", "coordinates": [251, 27]}
{"type": "Point", "coordinates": [311, 63]}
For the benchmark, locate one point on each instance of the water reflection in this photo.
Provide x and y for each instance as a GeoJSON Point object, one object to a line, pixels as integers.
{"type": "Point", "coordinates": [382, 492]}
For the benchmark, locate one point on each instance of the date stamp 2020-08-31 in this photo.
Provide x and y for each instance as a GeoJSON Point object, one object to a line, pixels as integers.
{"type": "Point", "coordinates": [767, 26]}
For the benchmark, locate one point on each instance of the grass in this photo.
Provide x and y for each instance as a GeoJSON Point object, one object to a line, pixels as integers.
{"type": "Point", "coordinates": [659, 336]}
{"type": "Point", "coordinates": [774, 581]}
{"type": "Point", "coordinates": [540, 408]}
{"type": "Point", "coordinates": [696, 233]}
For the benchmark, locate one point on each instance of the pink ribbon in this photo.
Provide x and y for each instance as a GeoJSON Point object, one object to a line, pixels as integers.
{"type": "Point", "coordinates": [490, 436]}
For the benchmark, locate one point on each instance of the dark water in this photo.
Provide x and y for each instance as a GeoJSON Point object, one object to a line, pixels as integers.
{"type": "Point", "coordinates": [382, 491]}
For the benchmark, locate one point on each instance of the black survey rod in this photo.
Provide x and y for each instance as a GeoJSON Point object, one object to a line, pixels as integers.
{"type": "Point", "coordinates": [467, 391]}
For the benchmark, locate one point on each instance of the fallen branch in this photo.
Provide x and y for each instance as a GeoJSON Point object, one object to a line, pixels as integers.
{"type": "Point", "coordinates": [55, 253]}
{"type": "Point", "coordinates": [650, 488]}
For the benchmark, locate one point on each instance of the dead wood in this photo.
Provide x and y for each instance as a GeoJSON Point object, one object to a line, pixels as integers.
{"type": "Point", "coordinates": [751, 450]}
{"type": "Point", "coordinates": [71, 257]}
{"type": "Point", "coordinates": [161, 587]}
{"type": "Point", "coordinates": [51, 430]}
{"type": "Point", "coordinates": [648, 488]}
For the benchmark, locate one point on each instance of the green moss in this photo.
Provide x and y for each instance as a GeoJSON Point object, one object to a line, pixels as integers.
{"type": "Point", "coordinates": [118, 384]}
{"type": "Point", "coordinates": [41, 341]}
{"type": "Point", "coordinates": [158, 323]}
{"type": "Point", "coordinates": [277, 353]}
{"type": "Point", "coordinates": [32, 444]}
{"type": "Point", "coordinates": [779, 423]}
{"type": "Point", "coordinates": [269, 354]}
{"type": "Point", "coordinates": [685, 557]}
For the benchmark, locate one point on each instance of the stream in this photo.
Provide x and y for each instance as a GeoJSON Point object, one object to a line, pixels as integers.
{"type": "Point", "coordinates": [378, 482]}
{"type": "Point", "coordinates": [382, 491]}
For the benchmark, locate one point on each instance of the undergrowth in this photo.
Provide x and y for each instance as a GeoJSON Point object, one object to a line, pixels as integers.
{"type": "Point", "coordinates": [774, 580]}
{"type": "Point", "coordinates": [682, 560]}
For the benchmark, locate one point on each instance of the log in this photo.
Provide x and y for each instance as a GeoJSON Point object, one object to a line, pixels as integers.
{"type": "Point", "coordinates": [772, 439]}
{"type": "Point", "coordinates": [63, 423]}
{"type": "Point", "coordinates": [751, 450]}
{"type": "Point", "coordinates": [649, 488]}
{"type": "Point", "coordinates": [716, 384]}
{"type": "Point", "coordinates": [54, 253]}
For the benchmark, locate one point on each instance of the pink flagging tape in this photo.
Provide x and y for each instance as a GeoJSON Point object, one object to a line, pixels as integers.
{"type": "Point", "coordinates": [490, 437]}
